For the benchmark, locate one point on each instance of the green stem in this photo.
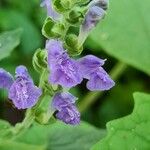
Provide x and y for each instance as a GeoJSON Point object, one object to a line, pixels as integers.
{"type": "Point", "coordinates": [82, 36]}
{"type": "Point", "coordinates": [91, 97]}
{"type": "Point", "coordinates": [20, 128]}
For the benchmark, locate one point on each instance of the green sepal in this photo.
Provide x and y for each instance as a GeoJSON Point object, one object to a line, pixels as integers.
{"type": "Point", "coordinates": [67, 4]}
{"type": "Point", "coordinates": [76, 16]}
{"type": "Point", "coordinates": [63, 6]}
{"type": "Point", "coordinates": [58, 30]}
{"type": "Point", "coordinates": [39, 60]}
{"type": "Point", "coordinates": [71, 44]}
{"type": "Point", "coordinates": [52, 29]}
{"type": "Point", "coordinates": [48, 25]}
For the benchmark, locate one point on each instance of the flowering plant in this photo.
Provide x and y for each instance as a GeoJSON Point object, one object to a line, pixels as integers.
{"type": "Point", "coordinates": [61, 66]}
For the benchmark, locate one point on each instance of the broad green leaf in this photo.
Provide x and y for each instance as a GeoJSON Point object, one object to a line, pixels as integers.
{"type": "Point", "coordinates": [130, 132]}
{"type": "Point", "coordinates": [8, 41]}
{"type": "Point", "coordinates": [125, 33]}
{"type": "Point", "coordinates": [59, 136]}
{"type": "Point", "coordinates": [75, 138]}
{"type": "Point", "coordinates": [11, 145]}
{"type": "Point", "coordinates": [31, 38]}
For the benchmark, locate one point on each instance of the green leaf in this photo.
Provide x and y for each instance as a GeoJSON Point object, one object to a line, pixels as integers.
{"type": "Point", "coordinates": [8, 41]}
{"type": "Point", "coordinates": [125, 33]}
{"type": "Point", "coordinates": [31, 38]}
{"type": "Point", "coordinates": [59, 136]}
{"type": "Point", "coordinates": [11, 145]}
{"type": "Point", "coordinates": [76, 138]}
{"type": "Point", "coordinates": [3, 127]}
{"type": "Point", "coordinates": [131, 132]}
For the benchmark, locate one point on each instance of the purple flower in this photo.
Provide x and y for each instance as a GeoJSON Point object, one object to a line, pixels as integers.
{"type": "Point", "coordinates": [91, 69]}
{"type": "Point", "coordinates": [50, 10]}
{"type": "Point", "coordinates": [93, 16]}
{"type": "Point", "coordinates": [95, 13]}
{"type": "Point", "coordinates": [63, 70]}
{"type": "Point", "coordinates": [64, 104]}
{"type": "Point", "coordinates": [23, 93]}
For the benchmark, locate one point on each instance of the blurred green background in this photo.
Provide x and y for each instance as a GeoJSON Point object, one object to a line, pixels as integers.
{"type": "Point", "coordinates": [123, 38]}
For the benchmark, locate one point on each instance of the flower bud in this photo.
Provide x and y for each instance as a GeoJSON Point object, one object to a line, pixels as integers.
{"type": "Point", "coordinates": [63, 5]}
{"type": "Point", "coordinates": [76, 16]}
{"type": "Point", "coordinates": [53, 29]}
{"type": "Point", "coordinates": [71, 44]}
{"type": "Point", "coordinates": [39, 60]}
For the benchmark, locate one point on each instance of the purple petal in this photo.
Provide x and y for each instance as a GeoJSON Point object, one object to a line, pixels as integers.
{"type": "Point", "coordinates": [21, 71]}
{"type": "Point", "coordinates": [61, 100]}
{"type": "Point", "coordinates": [89, 64]}
{"type": "Point", "coordinates": [100, 81]}
{"type": "Point", "coordinates": [65, 73]}
{"type": "Point", "coordinates": [23, 92]}
{"type": "Point", "coordinates": [103, 4]}
{"type": "Point", "coordinates": [69, 115]}
{"type": "Point", "coordinates": [6, 79]}
{"type": "Point", "coordinates": [55, 49]}
{"type": "Point", "coordinates": [50, 10]}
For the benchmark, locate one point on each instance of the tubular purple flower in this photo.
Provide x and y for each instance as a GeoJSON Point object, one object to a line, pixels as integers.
{"type": "Point", "coordinates": [23, 93]}
{"type": "Point", "coordinates": [63, 70]}
{"type": "Point", "coordinates": [91, 69]}
{"type": "Point", "coordinates": [93, 16]}
{"type": "Point", "coordinates": [66, 111]}
{"type": "Point", "coordinates": [96, 12]}
{"type": "Point", "coordinates": [50, 10]}
{"type": "Point", "coordinates": [6, 79]}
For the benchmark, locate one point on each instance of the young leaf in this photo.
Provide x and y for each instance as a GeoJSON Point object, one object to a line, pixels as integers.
{"type": "Point", "coordinates": [131, 132]}
{"type": "Point", "coordinates": [125, 33]}
{"type": "Point", "coordinates": [8, 41]}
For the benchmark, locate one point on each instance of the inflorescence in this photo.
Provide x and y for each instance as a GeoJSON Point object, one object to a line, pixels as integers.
{"type": "Point", "coordinates": [63, 71]}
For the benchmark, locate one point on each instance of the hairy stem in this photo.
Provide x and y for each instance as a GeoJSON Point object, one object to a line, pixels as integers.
{"type": "Point", "coordinates": [91, 97]}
